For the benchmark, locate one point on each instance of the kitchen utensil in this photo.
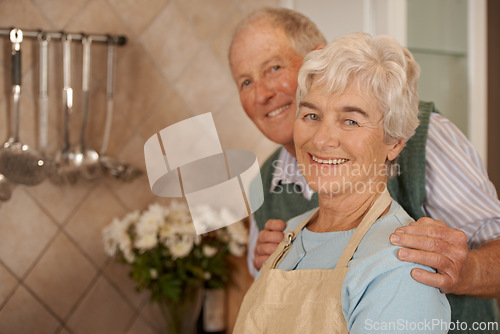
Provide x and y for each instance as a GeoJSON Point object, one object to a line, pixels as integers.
{"type": "Point", "coordinates": [118, 169]}
{"type": "Point", "coordinates": [66, 172]}
{"type": "Point", "coordinates": [6, 188]}
{"type": "Point", "coordinates": [86, 156]}
{"type": "Point", "coordinates": [18, 162]}
{"type": "Point", "coordinates": [43, 100]}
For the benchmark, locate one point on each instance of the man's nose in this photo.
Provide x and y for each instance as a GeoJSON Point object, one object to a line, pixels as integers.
{"type": "Point", "coordinates": [264, 91]}
{"type": "Point", "coordinates": [327, 135]}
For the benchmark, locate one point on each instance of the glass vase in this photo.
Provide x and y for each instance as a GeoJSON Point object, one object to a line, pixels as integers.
{"type": "Point", "coordinates": [181, 317]}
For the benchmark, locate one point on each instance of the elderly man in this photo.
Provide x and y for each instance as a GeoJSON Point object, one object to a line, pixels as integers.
{"type": "Point", "coordinates": [441, 175]}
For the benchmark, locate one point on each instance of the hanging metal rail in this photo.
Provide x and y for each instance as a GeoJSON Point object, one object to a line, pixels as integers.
{"type": "Point", "coordinates": [99, 38]}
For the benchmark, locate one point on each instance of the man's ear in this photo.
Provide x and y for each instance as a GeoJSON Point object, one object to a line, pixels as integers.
{"type": "Point", "coordinates": [395, 149]}
{"type": "Point", "coordinates": [319, 47]}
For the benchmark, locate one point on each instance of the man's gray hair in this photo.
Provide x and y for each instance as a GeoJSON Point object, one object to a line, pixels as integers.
{"type": "Point", "coordinates": [303, 34]}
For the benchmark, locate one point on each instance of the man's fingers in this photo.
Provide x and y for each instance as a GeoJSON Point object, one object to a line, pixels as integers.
{"type": "Point", "coordinates": [437, 280]}
{"type": "Point", "coordinates": [434, 229]}
{"type": "Point", "coordinates": [456, 251]}
{"type": "Point", "coordinates": [434, 260]}
{"type": "Point", "coordinates": [275, 225]}
{"type": "Point", "coordinates": [265, 249]}
{"type": "Point", "coordinates": [266, 236]}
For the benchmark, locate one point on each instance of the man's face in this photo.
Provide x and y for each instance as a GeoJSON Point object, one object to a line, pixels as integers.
{"type": "Point", "coordinates": [265, 69]}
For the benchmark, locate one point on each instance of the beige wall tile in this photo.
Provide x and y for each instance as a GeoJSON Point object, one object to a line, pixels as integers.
{"type": "Point", "coordinates": [97, 16]}
{"type": "Point", "coordinates": [24, 314]}
{"type": "Point", "coordinates": [22, 14]}
{"type": "Point", "coordinates": [60, 201]}
{"type": "Point", "coordinates": [26, 231]}
{"type": "Point", "coordinates": [206, 85]}
{"type": "Point", "coordinates": [118, 274]}
{"type": "Point", "coordinates": [141, 84]}
{"type": "Point", "coordinates": [85, 228]}
{"type": "Point", "coordinates": [140, 327]}
{"type": "Point", "coordinates": [9, 282]}
{"type": "Point", "coordinates": [60, 12]}
{"type": "Point", "coordinates": [61, 263]}
{"type": "Point", "coordinates": [171, 41]}
{"type": "Point", "coordinates": [168, 111]}
{"type": "Point", "coordinates": [206, 16]}
{"type": "Point", "coordinates": [222, 39]}
{"type": "Point", "coordinates": [136, 14]}
{"type": "Point", "coordinates": [102, 311]}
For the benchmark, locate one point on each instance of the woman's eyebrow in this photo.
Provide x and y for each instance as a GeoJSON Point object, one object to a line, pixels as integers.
{"type": "Point", "coordinates": [308, 105]}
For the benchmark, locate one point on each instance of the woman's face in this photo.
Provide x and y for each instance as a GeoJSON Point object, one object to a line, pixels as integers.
{"type": "Point", "coordinates": [339, 142]}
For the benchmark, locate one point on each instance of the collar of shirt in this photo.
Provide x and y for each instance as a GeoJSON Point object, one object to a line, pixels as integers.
{"type": "Point", "coordinates": [286, 171]}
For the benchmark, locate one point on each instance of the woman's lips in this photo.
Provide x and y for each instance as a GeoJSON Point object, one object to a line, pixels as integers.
{"type": "Point", "coordinates": [334, 161]}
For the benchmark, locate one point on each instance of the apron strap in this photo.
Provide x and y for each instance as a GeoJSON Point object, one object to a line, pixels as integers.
{"type": "Point", "coordinates": [377, 209]}
{"type": "Point", "coordinates": [284, 245]}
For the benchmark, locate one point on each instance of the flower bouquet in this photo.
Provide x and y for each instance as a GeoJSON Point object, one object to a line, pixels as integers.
{"type": "Point", "coordinates": [169, 259]}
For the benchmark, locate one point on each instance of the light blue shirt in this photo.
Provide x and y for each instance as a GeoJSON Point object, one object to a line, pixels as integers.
{"type": "Point", "coordinates": [378, 293]}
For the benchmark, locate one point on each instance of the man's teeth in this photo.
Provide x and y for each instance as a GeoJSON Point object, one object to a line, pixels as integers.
{"type": "Point", "coordinates": [330, 162]}
{"type": "Point", "coordinates": [277, 111]}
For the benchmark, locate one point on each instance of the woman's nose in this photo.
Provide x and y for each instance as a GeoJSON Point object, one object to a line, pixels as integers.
{"type": "Point", "coordinates": [326, 136]}
{"type": "Point", "coordinates": [264, 91]}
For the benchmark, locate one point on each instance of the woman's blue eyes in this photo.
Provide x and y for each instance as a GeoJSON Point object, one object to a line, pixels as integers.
{"type": "Point", "coordinates": [276, 67]}
{"type": "Point", "coordinates": [315, 117]}
{"type": "Point", "coordinates": [245, 83]}
{"type": "Point", "coordinates": [312, 117]}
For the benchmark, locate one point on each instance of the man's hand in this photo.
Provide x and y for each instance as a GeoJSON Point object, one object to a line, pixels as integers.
{"type": "Point", "coordinates": [268, 241]}
{"type": "Point", "coordinates": [430, 242]}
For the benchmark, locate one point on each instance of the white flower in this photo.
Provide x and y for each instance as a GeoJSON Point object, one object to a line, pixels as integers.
{"type": "Point", "coordinates": [227, 216]}
{"type": "Point", "coordinates": [180, 247]}
{"type": "Point", "coordinates": [113, 236]}
{"type": "Point", "coordinates": [238, 232]}
{"type": "Point", "coordinates": [153, 273]}
{"type": "Point", "coordinates": [178, 213]}
{"type": "Point", "coordinates": [131, 218]}
{"type": "Point", "coordinates": [236, 249]}
{"type": "Point", "coordinates": [146, 242]}
{"type": "Point", "coordinates": [209, 251]}
{"type": "Point", "coordinates": [149, 223]}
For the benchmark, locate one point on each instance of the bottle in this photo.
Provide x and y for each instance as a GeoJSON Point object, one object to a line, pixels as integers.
{"type": "Point", "coordinates": [212, 319]}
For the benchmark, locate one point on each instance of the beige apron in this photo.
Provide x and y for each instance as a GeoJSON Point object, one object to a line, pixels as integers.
{"type": "Point", "coordinates": [302, 301]}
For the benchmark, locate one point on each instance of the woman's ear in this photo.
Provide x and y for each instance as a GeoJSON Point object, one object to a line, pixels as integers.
{"type": "Point", "coordinates": [395, 149]}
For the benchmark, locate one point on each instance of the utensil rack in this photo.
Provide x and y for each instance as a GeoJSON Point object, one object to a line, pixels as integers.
{"type": "Point", "coordinates": [99, 38]}
{"type": "Point", "coordinates": [112, 166]}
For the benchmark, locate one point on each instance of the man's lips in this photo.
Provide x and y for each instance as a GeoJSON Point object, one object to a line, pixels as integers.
{"type": "Point", "coordinates": [278, 111]}
{"type": "Point", "coordinates": [332, 161]}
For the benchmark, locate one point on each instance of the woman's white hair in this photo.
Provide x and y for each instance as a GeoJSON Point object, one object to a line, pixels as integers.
{"type": "Point", "coordinates": [378, 66]}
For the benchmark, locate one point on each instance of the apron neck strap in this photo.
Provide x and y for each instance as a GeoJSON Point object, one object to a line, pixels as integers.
{"type": "Point", "coordinates": [377, 209]}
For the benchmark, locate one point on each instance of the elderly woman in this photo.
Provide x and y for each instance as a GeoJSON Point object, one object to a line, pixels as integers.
{"type": "Point", "coordinates": [336, 271]}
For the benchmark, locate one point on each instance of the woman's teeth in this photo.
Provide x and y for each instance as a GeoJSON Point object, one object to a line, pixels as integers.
{"type": "Point", "coordinates": [329, 162]}
{"type": "Point", "coordinates": [277, 111]}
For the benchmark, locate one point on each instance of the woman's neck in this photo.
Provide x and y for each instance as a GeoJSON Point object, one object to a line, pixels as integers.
{"type": "Point", "coordinates": [342, 212]}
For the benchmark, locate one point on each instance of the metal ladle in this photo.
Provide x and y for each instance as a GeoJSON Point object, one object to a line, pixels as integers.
{"type": "Point", "coordinates": [64, 160]}
{"type": "Point", "coordinates": [116, 168]}
{"type": "Point", "coordinates": [43, 99]}
{"type": "Point", "coordinates": [18, 162]}
{"type": "Point", "coordinates": [86, 157]}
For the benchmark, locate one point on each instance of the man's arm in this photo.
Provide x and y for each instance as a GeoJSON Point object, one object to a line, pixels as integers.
{"type": "Point", "coordinates": [466, 254]}
{"type": "Point", "coordinates": [459, 270]}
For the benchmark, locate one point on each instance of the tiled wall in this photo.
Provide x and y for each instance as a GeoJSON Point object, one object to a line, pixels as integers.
{"type": "Point", "coordinates": [54, 274]}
